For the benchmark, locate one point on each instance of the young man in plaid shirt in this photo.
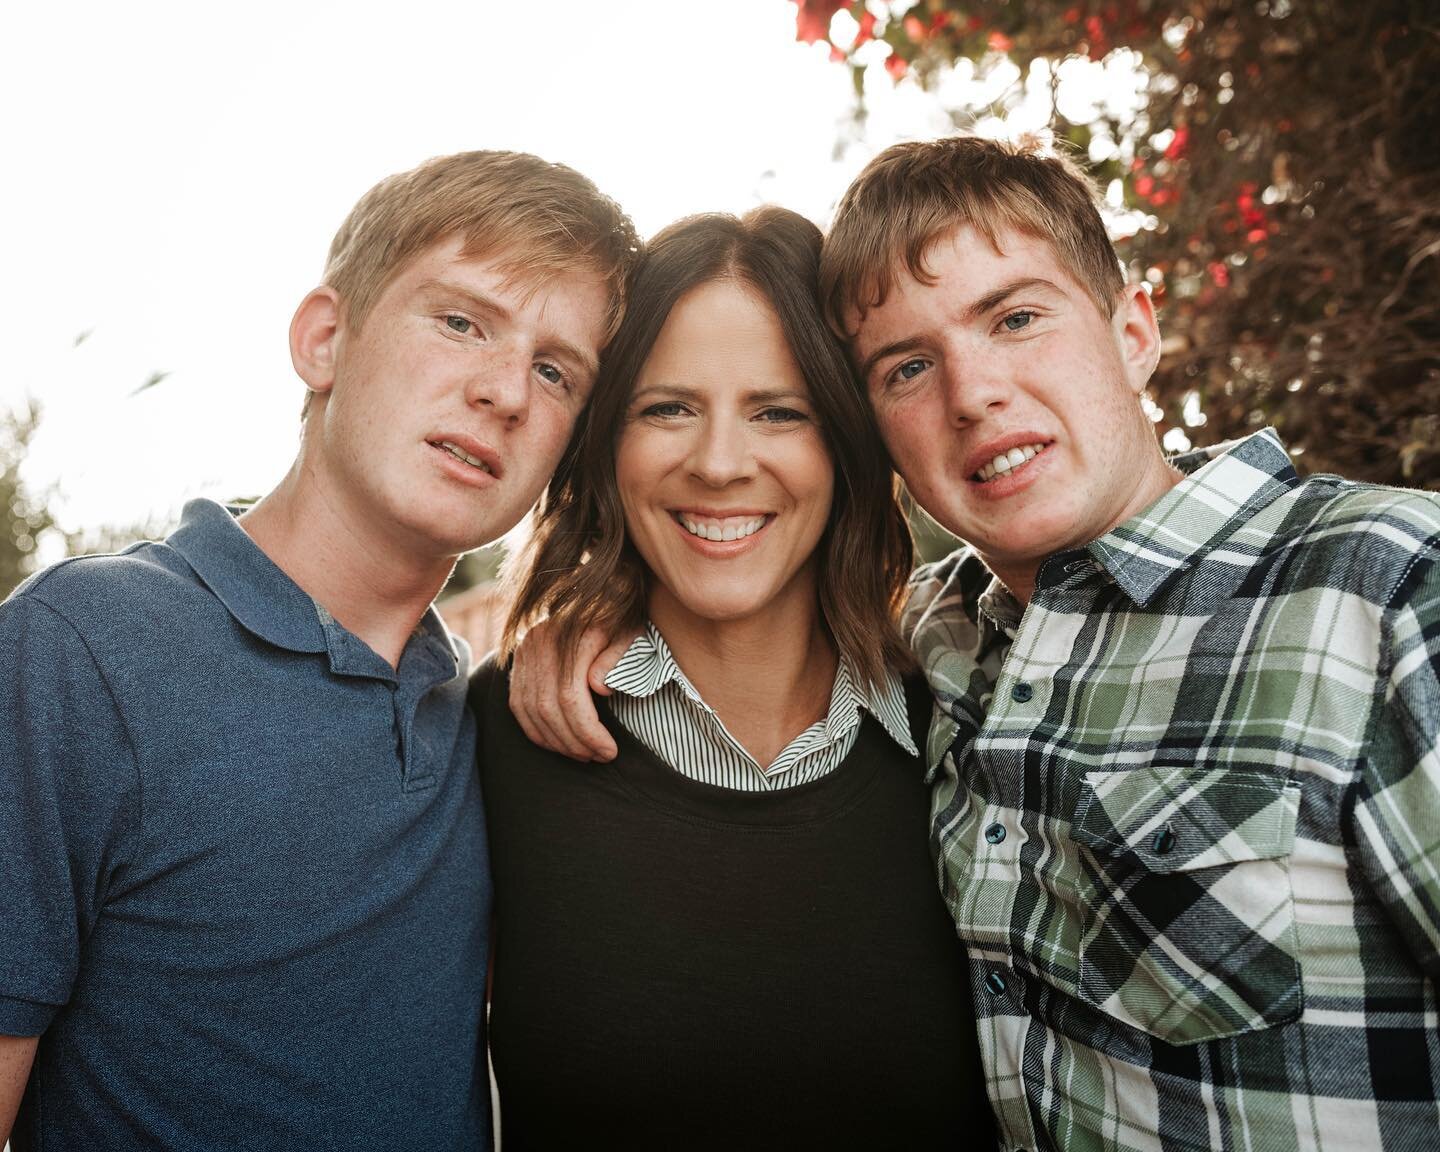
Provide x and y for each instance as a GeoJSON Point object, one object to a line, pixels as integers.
{"type": "Point", "coordinates": [1184, 753]}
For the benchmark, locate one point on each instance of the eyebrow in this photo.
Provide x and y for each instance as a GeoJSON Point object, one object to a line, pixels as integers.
{"type": "Point", "coordinates": [586, 361]}
{"type": "Point", "coordinates": [756, 396]}
{"type": "Point", "coordinates": [473, 299]}
{"type": "Point", "coordinates": [975, 309]}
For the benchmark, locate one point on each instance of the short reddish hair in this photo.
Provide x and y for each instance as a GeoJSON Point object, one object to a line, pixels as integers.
{"type": "Point", "coordinates": [913, 193]}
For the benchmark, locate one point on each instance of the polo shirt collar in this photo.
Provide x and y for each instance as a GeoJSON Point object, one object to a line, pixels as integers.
{"type": "Point", "coordinates": [252, 587]}
{"type": "Point", "coordinates": [266, 602]}
{"type": "Point", "coordinates": [1223, 488]}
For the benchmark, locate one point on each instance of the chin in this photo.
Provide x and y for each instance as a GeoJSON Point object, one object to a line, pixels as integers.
{"type": "Point", "coordinates": [450, 538]}
{"type": "Point", "coordinates": [721, 609]}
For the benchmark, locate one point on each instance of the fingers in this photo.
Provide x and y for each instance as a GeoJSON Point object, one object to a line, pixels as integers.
{"type": "Point", "coordinates": [535, 694]}
{"type": "Point", "coordinates": [551, 699]}
{"type": "Point", "coordinates": [582, 726]}
{"type": "Point", "coordinates": [603, 664]}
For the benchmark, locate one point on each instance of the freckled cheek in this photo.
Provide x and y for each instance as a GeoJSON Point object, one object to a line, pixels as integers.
{"type": "Point", "coordinates": [908, 433]}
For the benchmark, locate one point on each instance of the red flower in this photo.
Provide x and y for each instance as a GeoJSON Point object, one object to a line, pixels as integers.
{"type": "Point", "coordinates": [1255, 235]}
{"type": "Point", "coordinates": [1144, 185]}
{"type": "Point", "coordinates": [812, 21]}
{"type": "Point", "coordinates": [1072, 15]}
{"type": "Point", "coordinates": [999, 42]}
{"type": "Point", "coordinates": [896, 66]}
{"type": "Point", "coordinates": [1178, 143]}
{"type": "Point", "coordinates": [867, 28]}
{"type": "Point", "coordinates": [914, 29]}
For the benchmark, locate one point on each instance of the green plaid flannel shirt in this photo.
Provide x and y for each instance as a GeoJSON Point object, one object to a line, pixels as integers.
{"type": "Point", "coordinates": [1187, 816]}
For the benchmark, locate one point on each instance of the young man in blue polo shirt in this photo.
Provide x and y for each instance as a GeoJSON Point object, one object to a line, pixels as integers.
{"type": "Point", "coordinates": [242, 853]}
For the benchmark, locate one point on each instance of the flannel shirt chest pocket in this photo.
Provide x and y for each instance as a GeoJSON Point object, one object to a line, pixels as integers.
{"type": "Point", "coordinates": [1190, 931]}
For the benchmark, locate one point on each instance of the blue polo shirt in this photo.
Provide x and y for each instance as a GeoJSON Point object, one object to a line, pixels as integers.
{"type": "Point", "coordinates": [243, 867]}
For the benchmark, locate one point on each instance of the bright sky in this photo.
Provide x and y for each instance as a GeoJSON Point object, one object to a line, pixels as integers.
{"type": "Point", "coordinates": [176, 171]}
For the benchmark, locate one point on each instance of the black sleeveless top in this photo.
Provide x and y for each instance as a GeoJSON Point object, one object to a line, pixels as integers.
{"type": "Point", "coordinates": [680, 966]}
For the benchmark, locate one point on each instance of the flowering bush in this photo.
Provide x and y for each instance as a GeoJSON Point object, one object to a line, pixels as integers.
{"type": "Point", "coordinates": [1282, 181]}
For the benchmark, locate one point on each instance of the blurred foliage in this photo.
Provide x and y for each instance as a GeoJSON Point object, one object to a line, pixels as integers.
{"type": "Point", "coordinates": [932, 542]}
{"type": "Point", "coordinates": [25, 511]}
{"type": "Point", "coordinates": [28, 517]}
{"type": "Point", "coordinates": [474, 568]}
{"type": "Point", "coordinates": [1280, 181]}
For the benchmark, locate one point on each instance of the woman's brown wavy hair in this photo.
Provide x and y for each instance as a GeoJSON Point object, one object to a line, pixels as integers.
{"type": "Point", "coordinates": [580, 569]}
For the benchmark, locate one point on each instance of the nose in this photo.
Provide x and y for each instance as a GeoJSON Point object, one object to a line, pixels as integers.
{"type": "Point", "coordinates": [976, 387]}
{"type": "Point", "coordinates": [501, 383]}
{"type": "Point", "coordinates": [721, 452]}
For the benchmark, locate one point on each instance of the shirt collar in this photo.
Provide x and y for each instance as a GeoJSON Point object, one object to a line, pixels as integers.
{"type": "Point", "coordinates": [648, 665]}
{"type": "Point", "coordinates": [266, 602]}
{"type": "Point", "coordinates": [251, 586]}
{"type": "Point", "coordinates": [1223, 488]}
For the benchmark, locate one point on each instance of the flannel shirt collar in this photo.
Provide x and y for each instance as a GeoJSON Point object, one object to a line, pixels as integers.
{"type": "Point", "coordinates": [1223, 488]}
{"type": "Point", "coordinates": [648, 665]}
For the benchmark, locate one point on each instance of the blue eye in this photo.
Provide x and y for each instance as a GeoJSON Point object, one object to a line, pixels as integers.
{"type": "Point", "coordinates": [666, 408]}
{"type": "Point", "coordinates": [1017, 320]}
{"type": "Point", "coordinates": [551, 373]}
{"type": "Point", "coordinates": [459, 324]}
{"type": "Point", "coordinates": [910, 369]}
{"type": "Point", "coordinates": [781, 415]}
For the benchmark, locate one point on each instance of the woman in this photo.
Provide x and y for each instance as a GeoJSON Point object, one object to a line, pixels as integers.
{"type": "Point", "coordinates": [730, 936]}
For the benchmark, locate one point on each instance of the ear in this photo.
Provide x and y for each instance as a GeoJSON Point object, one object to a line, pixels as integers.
{"type": "Point", "coordinates": [1138, 334]}
{"type": "Point", "coordinates": [314, 337]}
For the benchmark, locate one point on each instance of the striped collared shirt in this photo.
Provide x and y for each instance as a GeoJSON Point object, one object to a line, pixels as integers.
{"type": "Point", "coordinates": [658, 704]}
{"type": "Point", "coordinates": [1187, 811]}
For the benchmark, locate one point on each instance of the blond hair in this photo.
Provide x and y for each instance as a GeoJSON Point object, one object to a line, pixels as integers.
{"type": "Point", "coordinates": [541, 219]}
{"type": "Point", "coordinates": [913, 193]}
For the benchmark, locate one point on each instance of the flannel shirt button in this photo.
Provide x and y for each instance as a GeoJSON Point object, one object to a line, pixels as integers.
{"type": "Point", "coordinates": [1164, 841]}
{"type": "Point", "coordinates": [1022, 692]}
{"type": "Point", "coordinates": [995, 833]}
{"type": "Point", "coordinates": [996, 983]}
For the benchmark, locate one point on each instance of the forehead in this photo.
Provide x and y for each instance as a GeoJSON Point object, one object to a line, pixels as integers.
{"type": "Point", "coordinates": [567, 297]}
{"type": "Point", "coordinates": [509, 269]}
{"type": "Point", "coordinates": [721, 331]}
{"type": "Point", "coordinates": [957, 271]}
{"type": "Point", "coordinates": [721, 314]}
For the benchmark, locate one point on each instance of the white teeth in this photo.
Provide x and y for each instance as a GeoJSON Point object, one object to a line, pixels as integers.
{"type": "Point", "coordinates": [461, 454]}
{"type": "Point", "coordinates": [1009, 461]}
{"type": "Point", "coordinates": [729, 528]}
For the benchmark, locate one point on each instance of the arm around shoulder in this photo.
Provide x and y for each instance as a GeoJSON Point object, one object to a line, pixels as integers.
{"type": "Point", "coordinates": [550, 696]}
